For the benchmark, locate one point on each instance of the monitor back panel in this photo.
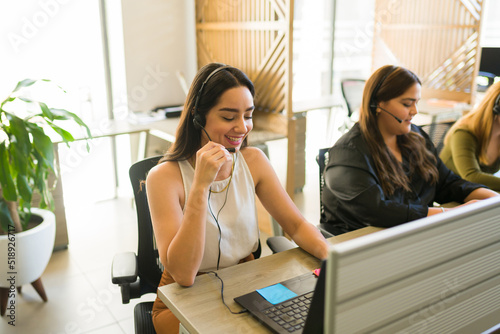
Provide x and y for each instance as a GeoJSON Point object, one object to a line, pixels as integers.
{"type": "Point", "coordinates": [440, 274]}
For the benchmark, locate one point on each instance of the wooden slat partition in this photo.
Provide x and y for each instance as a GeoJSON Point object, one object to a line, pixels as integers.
{"type": "Point", "coordinates": [255, 36]}
{"type": "Point", "coordinates": [438, 40]}
{"type": "Point", "coordinates": [251, 35]}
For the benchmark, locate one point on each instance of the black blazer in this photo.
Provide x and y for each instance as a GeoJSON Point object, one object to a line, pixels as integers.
{"type": "Point", "coordinates": [353, 197]}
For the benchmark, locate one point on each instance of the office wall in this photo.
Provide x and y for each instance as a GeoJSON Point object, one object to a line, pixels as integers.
{"type": "Point", "coordinates": [158, 41]}
{"type": "Point", "coordinates": [490, 29]}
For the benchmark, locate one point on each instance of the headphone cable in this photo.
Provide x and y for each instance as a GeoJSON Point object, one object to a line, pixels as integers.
{"type": "Point", "coordinates": [219, 241]}
{"type": "Point", "coordinates": [218, 213]}
{"type": "Point", "coordinates": [222, 294]}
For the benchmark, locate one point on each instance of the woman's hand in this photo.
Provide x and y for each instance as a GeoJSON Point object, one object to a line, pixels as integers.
{"type": "Point", "coordinates": [209, 160]}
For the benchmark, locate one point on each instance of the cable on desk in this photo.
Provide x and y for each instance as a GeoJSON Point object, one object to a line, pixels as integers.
{"type": "Point", "coordinates": [222, 294]}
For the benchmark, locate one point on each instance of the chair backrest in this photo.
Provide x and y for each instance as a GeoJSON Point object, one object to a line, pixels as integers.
{"type": "Point", "coordinates": [352, 90]}
{"type": "Point", "coordinates": [149, 265]}
{"type": "Point", "coordinates": [322, 160]}
{"type": "Point", "coordinates": [437, 132]}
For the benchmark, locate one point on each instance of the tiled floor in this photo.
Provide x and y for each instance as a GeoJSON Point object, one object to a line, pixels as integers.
{"type": "Point", "coordinates": [77, 281]}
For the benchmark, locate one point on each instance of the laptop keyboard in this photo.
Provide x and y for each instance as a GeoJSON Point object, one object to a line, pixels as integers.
{"type": "Point", "coordinates": [291, 314]}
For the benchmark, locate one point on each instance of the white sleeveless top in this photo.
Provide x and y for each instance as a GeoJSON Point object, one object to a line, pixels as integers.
{"type": "Point", "coordinates": [237, 217]}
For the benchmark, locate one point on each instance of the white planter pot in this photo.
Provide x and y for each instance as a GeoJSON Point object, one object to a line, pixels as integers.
{"type": "Point", "coordinates": [31, 249]}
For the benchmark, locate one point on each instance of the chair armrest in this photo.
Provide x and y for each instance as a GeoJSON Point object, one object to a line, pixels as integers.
{"type": "Point", "coordinates": [279, 244]}
{"type": "Point", "coordinates": [124, 268]}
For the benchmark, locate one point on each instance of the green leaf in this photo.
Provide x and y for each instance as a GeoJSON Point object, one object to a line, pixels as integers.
{"type": "Point", "coordinates": [46, 111]}
{"type": "Point", "coordinates": [67, 115]}
{"type": "Point", "coordinates": [18, 129]}
{"type": "Point", "coordinates": [65, 135]}
{"type": "Point", "coordinates": [19, 159]}
{"type": "Point", "coordinates": [61, 114]}
{"type": "Point", "coordinates": [8, 186]}
{"type": "Point", "coordinates": [9, 99]}
{"type": "Point", "coordinates": [25, 99]}
{"type": "Point", "coordinates": [5, 218]}
{"type": "Point", "coordinates": [43, 145]}
{"type": "Point", "coordinates": [37, 172]}
{"type": "Point", "coordinates": [24, 188]}
{"type": "Point", "coordinates": [24, 83]}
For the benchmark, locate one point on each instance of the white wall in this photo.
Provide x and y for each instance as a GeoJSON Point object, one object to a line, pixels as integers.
{"type": "Point", "coordinates": [158, 41]}
{"type": "Point", "coordinates": [58, 40]}
{"type": "Point", "coordinates": [490, 29]}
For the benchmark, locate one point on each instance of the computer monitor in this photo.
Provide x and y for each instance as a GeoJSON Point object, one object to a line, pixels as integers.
{"type": "Point", "coordinates": [439, 274]}
{"type": "Point", "coordinates": [490, 60]}
{"type": "Point", "coordinates": [489, 68]}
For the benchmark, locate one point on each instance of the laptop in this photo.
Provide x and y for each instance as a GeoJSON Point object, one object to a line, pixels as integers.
{"type": "Point", "coordinates": [416, 277]}
{"type": "Point", "coordinates": [294, 306]}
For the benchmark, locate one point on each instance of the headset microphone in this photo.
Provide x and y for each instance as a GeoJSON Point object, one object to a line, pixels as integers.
{"type": "Point", "coordinates": [396, 118]}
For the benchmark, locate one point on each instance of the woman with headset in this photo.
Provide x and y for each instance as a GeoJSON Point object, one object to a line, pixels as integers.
{"type": "Point", "coordinates": [385, 171]}
{"type": "Point", "coordinates": [472, 146]}
{"type": "Point", "coordinates": [202, 193]}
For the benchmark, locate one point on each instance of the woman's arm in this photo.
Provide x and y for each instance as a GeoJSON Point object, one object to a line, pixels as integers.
{"type": "Point", "coordinates": [480, 193]}
{"type": "Point", "coordinates": [353, 196]}
{"type": "Point", "coordinates": [180, 236]}
{"type": "Point", "coordinates": [277, 202]}
{"type": "Point", "coordinates": [463, 148]}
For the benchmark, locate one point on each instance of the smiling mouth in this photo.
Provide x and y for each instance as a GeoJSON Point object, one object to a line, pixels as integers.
{"type": "Point", "coordinates": [234, 140]}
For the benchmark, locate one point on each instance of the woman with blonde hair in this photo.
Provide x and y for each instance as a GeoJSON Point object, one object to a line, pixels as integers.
{"type": "Point", "coordinates": [472, 146]}
{"type": "Point", "coordinates": [385, 171]}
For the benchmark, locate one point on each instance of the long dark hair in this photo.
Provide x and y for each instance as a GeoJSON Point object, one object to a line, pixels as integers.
{"type": "Point", "coordinates": [386, 83]}
{"type": "Point", "coordinates": [188, 137]}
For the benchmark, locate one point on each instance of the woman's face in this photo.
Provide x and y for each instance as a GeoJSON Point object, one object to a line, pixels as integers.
{"type": "Point", "coordinates": [403, 107]}
{"type": "Point", "coordinates": [230, 120]}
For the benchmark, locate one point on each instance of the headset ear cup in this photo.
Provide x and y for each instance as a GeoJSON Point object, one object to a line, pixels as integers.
{"type": "Point", "coordinates": [197, 121]}
{"type": "Point", "coordinates": [496, 110]}
{"type": "Point", "coordinates": [496, 106]}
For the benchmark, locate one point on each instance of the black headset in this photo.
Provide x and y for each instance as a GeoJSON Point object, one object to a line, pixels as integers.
{"type": "Point", "coordinates": [198, 120]}
{"type": "Point", "coordinates": [373, 103]}
{"type": "Point", "coordinates": [496, 106]}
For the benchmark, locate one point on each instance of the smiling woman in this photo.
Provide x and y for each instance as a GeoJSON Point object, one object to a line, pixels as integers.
{"type": "Point", "coordinates": [385, 171]}
{"type": "Point", "coordinates": [202, 197]}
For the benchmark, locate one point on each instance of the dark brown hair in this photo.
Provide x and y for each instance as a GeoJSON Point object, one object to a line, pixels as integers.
{"type": "Point", "coordinates": [386, 83]}
{"type": "Point", "coordinates": [188, 137]}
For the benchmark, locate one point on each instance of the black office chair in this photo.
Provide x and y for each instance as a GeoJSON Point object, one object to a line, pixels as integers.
{"type": "Point", "coordinates": [322, 160]}
{"type": "Point", "coordinates": [138, 274]}
{"type": "Point", "coordinates": [352, 91]}
{"type": "Point", "coordinates": [437, 132]}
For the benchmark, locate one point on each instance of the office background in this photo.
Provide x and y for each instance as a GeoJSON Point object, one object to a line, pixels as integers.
{"type": "Point", "coordinates": [62, 41]}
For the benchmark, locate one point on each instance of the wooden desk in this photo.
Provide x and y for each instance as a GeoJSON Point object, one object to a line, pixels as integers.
{"type": "Point", "coordinates": [200, 309]}
{"type": "Point", "coordinates": [435, 111]}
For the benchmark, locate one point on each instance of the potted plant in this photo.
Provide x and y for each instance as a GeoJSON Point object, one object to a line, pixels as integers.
{"type": "Point", "coordinates": [26, 161]}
